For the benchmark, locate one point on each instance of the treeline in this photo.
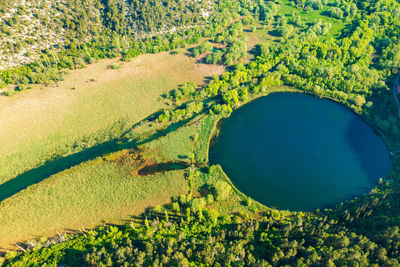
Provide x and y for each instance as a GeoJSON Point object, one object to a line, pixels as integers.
{"type": "Point", "coordinates": [355, 69]}
{"type": "Point", "coordinates": [337, 9]}
{"type": "Point", "coordinates": [53, 66]}
{"type": "Point", "coordinates": [94, 30]}
{"type": "Point", "coordinates": [187, 232]}
{"type": "Point", "coordinates": [324, 69]}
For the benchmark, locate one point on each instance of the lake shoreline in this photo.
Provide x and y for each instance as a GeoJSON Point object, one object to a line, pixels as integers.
{"type": "Point", "coordinates": [219, 122]}
{"type": "Point", "coordinates": [389, 143]}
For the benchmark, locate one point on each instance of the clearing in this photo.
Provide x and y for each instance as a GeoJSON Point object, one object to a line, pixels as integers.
{"type": "Point", "coordinates": [84, 196]}
{"type": "Point", "coordinates": [39, 125]}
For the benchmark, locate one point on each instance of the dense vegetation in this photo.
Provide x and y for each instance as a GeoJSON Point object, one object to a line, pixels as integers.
{"type": "Point", "coordinates": [356, 68]}
{"type": "Point", "coordinates": [233, 44]}
{"type": "Point", "coordinates": [77, 33]}
{"type": "Point", "coordinates": [340, 68]}
{"type": "Point", "coordinates": [193, 235]}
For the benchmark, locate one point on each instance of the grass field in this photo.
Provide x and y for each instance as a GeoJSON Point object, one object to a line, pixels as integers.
{"type": "Point", "coordinates": [191, 140]}
{"type": "Point", "coordinates": [104, 189]}
{"type": "Point", "coordinates": [84, 196]}
{"type": "Point", "coordinates": [42, 124]}
{"type": "Point", "coordinates": [287, 8]}
{"type": "Point", "coordinates": [85, 109]}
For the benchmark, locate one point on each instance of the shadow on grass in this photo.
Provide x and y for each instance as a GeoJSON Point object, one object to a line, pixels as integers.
{"type": "Point", "coordinates": [48, 169]}
{"type": "Point", "coordinates": [163, 167]}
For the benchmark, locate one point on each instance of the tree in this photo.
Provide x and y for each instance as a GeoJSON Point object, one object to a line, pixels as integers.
{"type": "Point", "coordinates": [231, 98]}
{"type": "Point", "coordinates": [359, 100]}
{"type": "Point", "coordinates": [284, 30]}
{"type": "Point", "coordinates": [262, 50]}
{"type": "Point", "coordinates": [222, 190]}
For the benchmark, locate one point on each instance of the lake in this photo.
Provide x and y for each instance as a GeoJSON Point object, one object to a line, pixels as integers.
{"type": "Point", "coordinates": [298, 152]}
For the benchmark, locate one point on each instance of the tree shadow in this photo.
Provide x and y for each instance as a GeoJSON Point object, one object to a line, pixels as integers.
{"type": "Point", "coordinates": [50, 168]}
{"type": "Point", "coordinates": [372, 153]}
{"type": "Point", "coordinates": [163, 167]}
{"type": "Point", "coordinates": [36, 175]}
{"type": "Point", "coordinates": [274, 33]}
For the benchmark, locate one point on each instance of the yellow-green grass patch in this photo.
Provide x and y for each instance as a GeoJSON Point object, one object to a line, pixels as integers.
{"type": "Point", "coordinates": [189, 141]}
{"type": "Point", "coordinates": [40, 124]}
{"type": "Point", "coordinates": [287, 8]}
{"type": "Point", "coordinates": [84, 196]}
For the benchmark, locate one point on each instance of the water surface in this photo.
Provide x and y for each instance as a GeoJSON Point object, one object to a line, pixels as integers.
{"type": "Point", "coordinates": [298, 152]}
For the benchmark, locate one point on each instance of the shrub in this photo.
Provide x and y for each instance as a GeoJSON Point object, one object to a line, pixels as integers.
{"type": "Point", "coordinates": [175, 207]}
{"type": "Point", "coordinates": [157, 209]}
{"type": "Point", "coordinates": [9, 93]}
{"type": "Point", "coordinates": [114, 66]}
{"type": "Point", "coordinates": [166, 116]}
{"type": "Point", "coordinates": [249, 202]}
{"type": "Point", "coordinates": [222, 190]}
{"type": "Point", "coordinates": [205, 47]}
{"type": "Point", "coordinates": [210, 199]}
{"type": "Point", "coordinates": [197, 204]}
{"type": "Point", "coordinates": [22, 87]}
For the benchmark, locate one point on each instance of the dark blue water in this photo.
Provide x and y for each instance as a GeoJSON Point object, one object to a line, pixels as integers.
{"type": "Point", "coordinates": [298, 152]}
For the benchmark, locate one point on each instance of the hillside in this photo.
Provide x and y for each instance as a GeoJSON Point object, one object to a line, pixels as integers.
{"type": "Point", "coordinates": [29, 27]}
{"type": "Point", "coordinates": [105, 150]}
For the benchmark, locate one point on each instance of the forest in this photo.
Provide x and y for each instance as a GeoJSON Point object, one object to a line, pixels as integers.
{"type": "Point", "coordinates": [356, 67]}
{"type": "Point", "coordinates": [84, 32]}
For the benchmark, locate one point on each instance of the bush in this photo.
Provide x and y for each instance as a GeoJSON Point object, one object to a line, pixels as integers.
{"type": "Point", "coordinates": [22, 87]}
{"type": "Point", "coordinates": [175, 207]}
{"type": "Point", "coordinates": [197, 204]}
{"type": "Point", "coordinates": [336, 13]}
{"type": "Point", "coordinates": [249, 202]}
{"type": "Point", "coordinates": [166, 116]}
{"type": "Point", "coordinates": [222, 190]}
{"type": "Point", "coordinates": [114, 66]}
{"type": "Point", "coordinates": [262, 50]}
{"type": "Point", "coordinates": [157, 209]}
{"type": "Point", "coordinates": [2, 84]}
{"type": "Point", "coordinates": [9, 93]}
{"type": "Point", "coordinates": [215, 58]}
{"type": "Point", "coordinates": [210, 199]}
{"type": "Point", "coordinates": [205, 47]}
{"type": "Point", "coordinates": [284, 30]}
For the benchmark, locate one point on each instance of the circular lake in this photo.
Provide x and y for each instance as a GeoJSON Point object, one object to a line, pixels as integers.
{"type": "Point", "coordinates": [298, 152]}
